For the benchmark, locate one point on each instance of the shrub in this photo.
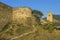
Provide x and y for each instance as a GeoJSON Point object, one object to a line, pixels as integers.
{"type": "Point", "coordinates": [50, 27]}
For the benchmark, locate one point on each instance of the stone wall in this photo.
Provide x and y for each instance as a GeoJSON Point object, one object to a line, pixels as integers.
{"type": "Point", "coordinates": [5, 14]}
{"type": "Point", "coordinates": [15, 15]}
{"type": "Point", "coordinates": [22, 15]}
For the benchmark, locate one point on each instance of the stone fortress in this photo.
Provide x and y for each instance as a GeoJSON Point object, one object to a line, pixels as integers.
{"type": "Point", "coordinates": [21, 15]}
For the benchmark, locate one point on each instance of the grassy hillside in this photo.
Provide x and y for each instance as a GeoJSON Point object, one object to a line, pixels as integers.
{"type": "Point", "coordinates": [21, 32]}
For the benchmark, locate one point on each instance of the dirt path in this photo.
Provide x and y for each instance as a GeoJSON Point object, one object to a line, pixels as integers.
{"type": "Point", "coordinates": [25, 33]}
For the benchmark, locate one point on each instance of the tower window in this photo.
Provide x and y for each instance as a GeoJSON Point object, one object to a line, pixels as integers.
{"type": "Point", "coordinates": [49, 15]}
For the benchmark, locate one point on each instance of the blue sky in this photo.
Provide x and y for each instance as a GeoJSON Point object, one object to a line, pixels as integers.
{"type": "Point", "coordinates": [42, 5]}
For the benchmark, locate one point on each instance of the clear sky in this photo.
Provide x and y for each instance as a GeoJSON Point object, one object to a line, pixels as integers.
{"type": "Point", "coordinates": [42, 5]}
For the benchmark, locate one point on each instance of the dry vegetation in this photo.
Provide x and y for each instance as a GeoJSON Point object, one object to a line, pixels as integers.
{"type": "Point", "coordinates": [40, 34]}
{"type": "Point", "coordinates": [16, 31]}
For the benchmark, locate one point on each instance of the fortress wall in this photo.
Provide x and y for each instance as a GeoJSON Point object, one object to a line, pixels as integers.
{"type": "Point", "coordinates": [22, 15]}
{"type": "Point", "coordinates": [5, 14]}
{"type": "Point", "coordinates": [16, 15]}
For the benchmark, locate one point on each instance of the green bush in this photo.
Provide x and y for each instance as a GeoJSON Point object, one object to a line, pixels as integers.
{"type": "Point", "coordinates": [49, 26]}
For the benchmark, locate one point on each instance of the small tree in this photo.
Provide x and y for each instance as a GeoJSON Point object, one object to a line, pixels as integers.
{"type": "Point", "coordinates": [38, 14]}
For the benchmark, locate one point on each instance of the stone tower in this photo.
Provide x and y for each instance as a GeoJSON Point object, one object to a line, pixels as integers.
{"type": "Point", "coordinates": [49, 16]}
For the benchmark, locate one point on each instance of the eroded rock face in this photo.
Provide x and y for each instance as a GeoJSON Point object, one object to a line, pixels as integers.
{"type": "Point", "coordinates": [5, 14]}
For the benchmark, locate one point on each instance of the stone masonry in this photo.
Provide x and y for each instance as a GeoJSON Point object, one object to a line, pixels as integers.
{"type": "Point", "coordinates": [16, 15]}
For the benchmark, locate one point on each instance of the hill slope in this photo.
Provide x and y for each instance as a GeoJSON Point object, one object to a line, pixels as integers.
{"type": "Point", "coordinates": [21, 32]}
